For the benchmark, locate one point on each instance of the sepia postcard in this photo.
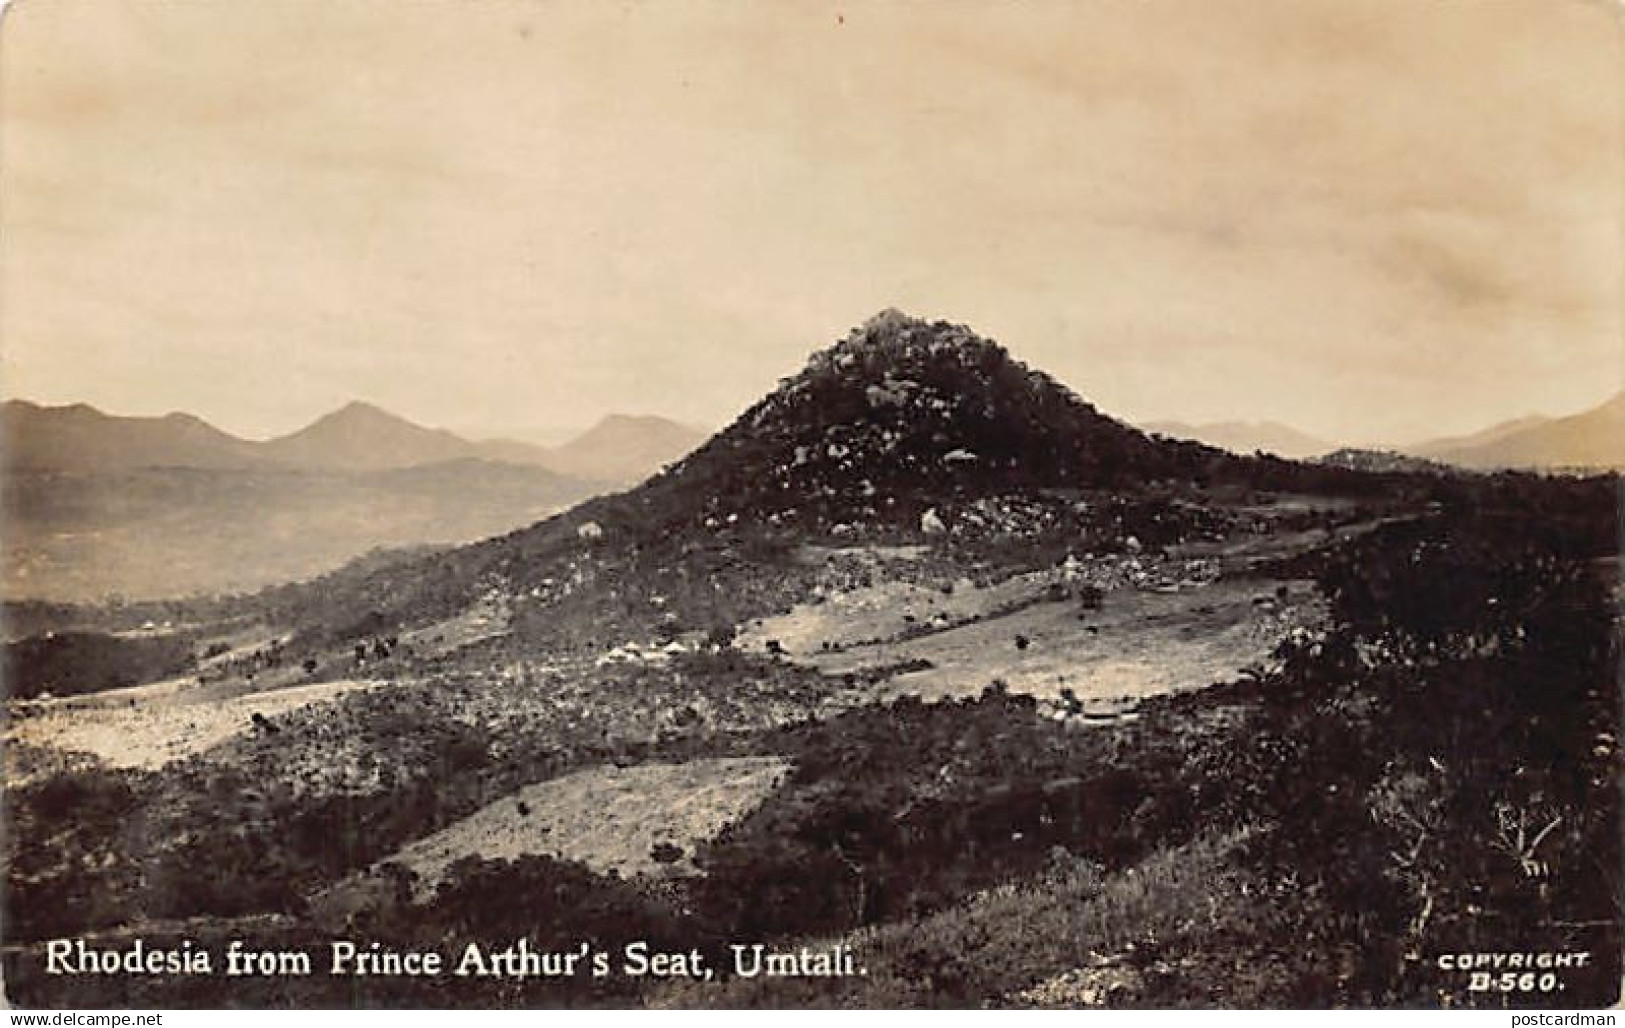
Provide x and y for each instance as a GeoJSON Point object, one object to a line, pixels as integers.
{"type": "Point", "coordinates": [699, 504]}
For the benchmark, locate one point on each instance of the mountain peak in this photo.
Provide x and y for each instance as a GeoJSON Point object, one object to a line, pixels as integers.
{"type": "Point", "coordinates": [73, 411]}
{"type": "Point", "coordinates": [360, 436]}
{"type": "Point", "coordinates": [361, 411]}
{"type": "Point", "coordinates": [903, 411]}
{"type": "Point", "coordinates": [892, 330]}
{"type": "Point", "coordinates": [624, 448]}
{"type": "Point", "coordinates": [888, 322]}
{"type": "Point", "coordinates": [631, 421]}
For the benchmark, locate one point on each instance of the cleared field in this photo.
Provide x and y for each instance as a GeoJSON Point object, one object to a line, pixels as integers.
{"type": "Point", "coordinates": [158, 724]}
{"type": "Point", "coordinates": [886, 610]}
{"type": "Point", "coordinates": [608, 818]}
{"type": "Point", "coordinates": [1137, 644]}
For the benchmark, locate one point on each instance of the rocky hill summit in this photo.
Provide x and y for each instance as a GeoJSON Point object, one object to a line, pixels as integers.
{"type": "Point", "coordinates": [903, 414]}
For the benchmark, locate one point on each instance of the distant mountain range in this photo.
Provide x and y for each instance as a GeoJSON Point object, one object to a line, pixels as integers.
{"type": "Point", "coordinates": [619, 450]}
{"type": "Point", "coordinates": [1483, 437]}
{"type": "Point", "coordinates": [1590, 440]}
{"type": "Point", "coordinates": [98, 504]}
{"type": "Point", "coordinates": [82, 438]}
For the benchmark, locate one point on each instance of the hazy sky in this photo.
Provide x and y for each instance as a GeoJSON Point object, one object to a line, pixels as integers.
{"type": "Point", "coordinates": [1372, 220]}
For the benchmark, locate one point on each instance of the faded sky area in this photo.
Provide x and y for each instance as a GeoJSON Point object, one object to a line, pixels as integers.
{"type": "Point", "coordinates": [1376, 221]}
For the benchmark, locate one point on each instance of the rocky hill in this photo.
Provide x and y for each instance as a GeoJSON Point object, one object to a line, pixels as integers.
{"type": "Point", "coordinates": [903, 414]}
